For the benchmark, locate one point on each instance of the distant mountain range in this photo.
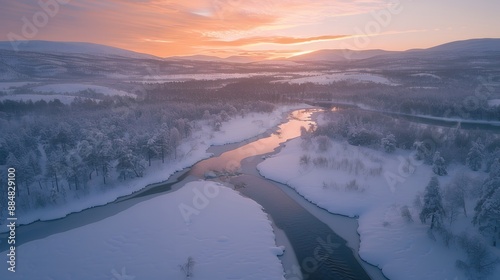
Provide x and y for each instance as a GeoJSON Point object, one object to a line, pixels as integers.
{"type": "Point", "coordinates": [473, 45]}
{"type": "Point", "coordinates": [338, 55]}
{"type": "Point", "coordinates": [72, 48]}
{"type": "Point", "coordinates": [234, 59]}
{"type": "Point", "coordinates": [453, 49]}
{"type": "Point", "coordinates": [457, 48]}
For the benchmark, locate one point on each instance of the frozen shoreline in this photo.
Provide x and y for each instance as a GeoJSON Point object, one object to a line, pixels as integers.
{"type": "Point", "coordinates": [153, 238]}
{"type": "Point", "coordinates": [346, 227]}
{"type": "Point", "coordinates": [403, 250]}
{"type": "Point", "coordinates": [235, 130]}
{"type": "Point", "coordinates": [342, 225]}
{"type": "Point", "coordinates": [265, 122]}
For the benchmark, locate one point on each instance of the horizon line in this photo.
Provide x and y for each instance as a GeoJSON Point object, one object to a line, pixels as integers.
{"type": "Point", "coordinates": [241, 55]}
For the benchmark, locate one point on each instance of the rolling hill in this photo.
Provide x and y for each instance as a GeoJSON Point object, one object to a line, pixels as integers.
{"type": "Point", "coordinates": [73, 48]}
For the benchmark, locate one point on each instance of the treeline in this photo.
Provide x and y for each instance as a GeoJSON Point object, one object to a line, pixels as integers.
{"type": "Point", "coordinates": [64, 151]}
{"type": "Point", "coordinates": [379, 131]}
{"type": "Point", "coordinates": [466, 98]}
{"type": "Point", "coordinates": [454, 93]}
{"type": "Point", "coordinates": [247, 89]}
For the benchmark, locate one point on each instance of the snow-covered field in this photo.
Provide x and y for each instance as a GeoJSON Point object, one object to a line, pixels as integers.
{"type": "Point", "coordinates": [66, 99]}
{"type": "Point", "coordinates": [325, 79]}
{"type": "Point", "coordinates": [423, 87]}
{"type": "Point", "coordinates": [277, 62]}
{"type": "Point", "coordinates": [8, 86]}
{"type": "Point", "coordinates": [190, 152]}
{"type": "Point", "coordinates": [216, 76]}
{"type": "Point", "coordinates": [63, 92]}
{"type": "Point", "coordinates": [207, 76]}
{"type": "Point", "coordinates": [426, 75]}
{"type": "Point", "coordinates": [494, 102]}
{"type": "Point", "coordinates": [241, 128]}
{"type": "Point", "coordinates": [74, 88]}
{"type": "Point", "coordinates": [374, 186]}
{"type": "Point", "coordinates": [152, 239]}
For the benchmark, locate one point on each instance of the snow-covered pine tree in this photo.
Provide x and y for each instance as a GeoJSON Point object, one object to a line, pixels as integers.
{"type": "Point", "coordinates": [105, 157]}
{"type": "Point", "coordinates": [423, 150]}
{"type": "Point", "coordinates": [163, 138]}
{"type": "Point", "coordinates": [455, 194]}
{"type": "Point", "coordinates": [224, 116]}
{"type": "Point", "coordinates": [495, 169]}
{"type": "Point", "coordinates": [152, 146]}
{"type": "Point", "coordinates": [175, 140]}
{"type": "Point", "coordinates": [475, 156]}
{"type": "Point", "coordinates": [433, 205]}
{"type": "Point", "coordinates": [75, 172]}
{"type": "Point", "coordinates": [55, 167]}
{"type": "Point", "coordinates": [487, 216]}
{"type": "Point", "coordinates": [490, 158]}
{"type": "Point", "coordinates": [487, 210]}
{"type": "Point", "coordinates": [389, 143]}
{"type": "Point", "coordinates": [28, 174]}
{"type": "Point", "coordinates": [480, 262]}
{"type": "Point", "coordinates": [84, 150]}
{"type": "Point", "coordinates": [438, 165]}
{"type": "Point", "coordinates": [406, 214]}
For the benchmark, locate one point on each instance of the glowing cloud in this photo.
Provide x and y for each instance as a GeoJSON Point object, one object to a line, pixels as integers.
{"type": "Point", "coordinates": [176, 27]}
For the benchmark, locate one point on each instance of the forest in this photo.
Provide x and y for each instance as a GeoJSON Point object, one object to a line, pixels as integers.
{"type": "Point", "coordinates": [59, 149]}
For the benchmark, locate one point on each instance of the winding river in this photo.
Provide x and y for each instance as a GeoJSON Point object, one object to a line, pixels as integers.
{"type": "Point", "coordinates": [319, 252]}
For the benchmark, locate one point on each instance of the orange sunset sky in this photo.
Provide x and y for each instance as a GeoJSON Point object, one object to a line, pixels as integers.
{"type": "Point", "coordinates": [267, 28]}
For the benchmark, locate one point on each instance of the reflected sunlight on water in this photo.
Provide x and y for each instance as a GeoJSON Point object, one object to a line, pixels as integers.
{"type": "Point", "coordinates": [230, 161]}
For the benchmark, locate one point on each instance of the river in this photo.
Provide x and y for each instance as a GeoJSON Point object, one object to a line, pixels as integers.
{"type": "Point", "coordinates": [317, 251]}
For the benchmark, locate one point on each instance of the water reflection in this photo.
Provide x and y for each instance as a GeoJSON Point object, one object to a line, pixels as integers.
{"type": "Point", "coordinates": [320, 252]}
{"type": "Point", "coordinates": [231, 161]}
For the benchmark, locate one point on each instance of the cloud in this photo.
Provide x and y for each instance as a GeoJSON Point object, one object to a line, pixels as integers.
{"type": "Point", "coordinates": [272, 40]}
{"type": "Point", "coordinates": [178, 27]}
{"type": "Point", "coordinates": [263, 54]}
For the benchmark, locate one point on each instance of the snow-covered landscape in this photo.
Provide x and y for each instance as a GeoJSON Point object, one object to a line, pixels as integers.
{"type": "Point", "coordinates": [74, 88]}
{"type": "Point", "coordinates": [280, 140]}
{"type": "Point", "coordinates": [325, 79]}
{"type": "Point", "coordinates": [172, 236]}
{"type": "Point", "coordinates": [191, 151]}
{"type": "Point", "coordinates": [65, 99]}
{"type": "Point", "coordinates": [375, 188]}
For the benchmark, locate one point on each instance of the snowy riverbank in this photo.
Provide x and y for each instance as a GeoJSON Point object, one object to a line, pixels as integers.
{"type": "Point", "coordinates": [154, 238]}
{"type": "Point", "coordinates": [364, 183]}
{"type": "Point", "coordinates": [189, 152]}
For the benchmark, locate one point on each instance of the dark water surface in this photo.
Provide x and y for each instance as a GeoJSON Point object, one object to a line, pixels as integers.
{"type": "Point", "coordinates": [321, 253]}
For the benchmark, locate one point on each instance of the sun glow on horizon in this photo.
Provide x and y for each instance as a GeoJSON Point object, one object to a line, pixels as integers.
{"type": "Point", "coordinates": [260, 27]}
{"type": "Point", "coordinates": [301, 53]}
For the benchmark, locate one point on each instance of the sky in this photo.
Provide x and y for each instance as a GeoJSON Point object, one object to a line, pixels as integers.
{"type": "Point", "coordinates": [261, 28]}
